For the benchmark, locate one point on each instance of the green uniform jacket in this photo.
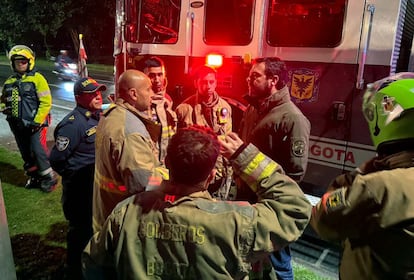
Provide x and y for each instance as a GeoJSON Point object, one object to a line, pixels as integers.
{"type": "Point", "coordinates": [280, 130]}
{"type": "Point", "coordinates": [374, 218]}
{"type": "Point", "coordinates": [125, 158]}
{"type": "Point", "coordinates": [157, 235]}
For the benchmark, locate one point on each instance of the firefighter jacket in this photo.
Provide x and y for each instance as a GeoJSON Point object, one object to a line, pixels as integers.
{"type": "Point", "coordinates": [164, 235]}
{"type": "Point", "coordinates": [163, 114]}
{"type": "Point", "coordinates": [216, 115]}
{"type": "Point", "coordinates": [27, 97]}
{"type": "Point", "coordinates": [125, 158]}
{"type": "Point", "coordinates": [280, 130]}
{"type": "Point", "coordinates": [373, 217]}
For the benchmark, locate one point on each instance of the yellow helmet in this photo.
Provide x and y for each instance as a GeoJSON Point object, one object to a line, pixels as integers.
{"type": "Point", "coordinates": [21, 52]}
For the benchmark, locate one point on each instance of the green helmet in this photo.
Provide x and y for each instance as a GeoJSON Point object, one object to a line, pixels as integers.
{"type": "Point", "coordinates": [22, 51]}
{"type": "Point", "coordinates": [388, 106]}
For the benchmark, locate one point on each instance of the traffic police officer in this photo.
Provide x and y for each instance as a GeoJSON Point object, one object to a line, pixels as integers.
{"type": "Point", "coordinates": [73, 157]}
{"type": "Point", "coordinates": [26, 100]}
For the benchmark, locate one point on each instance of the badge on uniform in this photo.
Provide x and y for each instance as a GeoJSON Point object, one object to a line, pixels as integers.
{"type": "Point", "coordinates": [298, 147]}
{"type": "Point", "coordinates": [62, 143]}
{"type": "Point", "coordinates": [91, 131]}
{"type": "Point", "coordinates": [334, 201]}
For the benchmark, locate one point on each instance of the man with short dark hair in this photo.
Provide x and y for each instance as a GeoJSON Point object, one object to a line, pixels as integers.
{"type": "Point", "coordinates": [274, 124]}
{"type": "Point", "coordinates": [207, 108]}
{"type": "Point", "coordinates": [161, 107]}
{"type": "Point", "coordinates": [181, 232]}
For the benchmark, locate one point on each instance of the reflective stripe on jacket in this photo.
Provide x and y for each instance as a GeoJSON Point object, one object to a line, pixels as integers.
{"type": "Point", "coordinates": [125, 161]}
{"type": "Point", "coordinates": [161, 235]}
{"type": "Point", "coordinates": [28, 96]}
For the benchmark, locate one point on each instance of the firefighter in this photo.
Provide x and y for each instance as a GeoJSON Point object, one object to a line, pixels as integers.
{"type": "Point", "coordinates": [73, 157]}
{"type": "Point", "coordinates": [371, 210]}
{"type": "Point", "coordinates": [278, 128]}
{"type": "Point", "coordinates": [126, 136]}
{"type": "Point", "coordinates": [27, 101]}
{"type": "Point", "coordinates": [181, 232]}
{"type": "Point", "coordinates": [161, 107]}
{"type": "Point", "coordinates": [207, 108]}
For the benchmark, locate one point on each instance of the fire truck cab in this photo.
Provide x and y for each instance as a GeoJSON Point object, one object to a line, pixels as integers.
{"type": "Point", "coordinates": [332, 49]}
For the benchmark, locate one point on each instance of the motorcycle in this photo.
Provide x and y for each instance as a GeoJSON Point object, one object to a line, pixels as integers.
{"type": "Point", "coordinates": [67, 71]}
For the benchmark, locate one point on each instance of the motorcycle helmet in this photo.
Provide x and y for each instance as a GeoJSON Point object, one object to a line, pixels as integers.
{"type": "Point", "coordinates": [22, 52]}
{"type": "Point", "coordinates": [388, 107]}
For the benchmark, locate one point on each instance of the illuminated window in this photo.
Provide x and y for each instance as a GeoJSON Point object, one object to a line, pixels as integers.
{"type": "Point", "coordinates": [228, 22]}
{"type": "Point", "coordinates": [159, 21]}
{"type": "Point", "coordinates": [305, 23]}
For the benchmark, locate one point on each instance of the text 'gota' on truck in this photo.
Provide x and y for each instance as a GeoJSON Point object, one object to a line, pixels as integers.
{"type": "Point", "coordinates": [332, 48]}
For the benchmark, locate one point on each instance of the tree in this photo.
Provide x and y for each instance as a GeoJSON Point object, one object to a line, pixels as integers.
{"type": "Point", "coordinates": [11, 20]}
{"type": "Point", "coordinates": [22, 21]}
{"type": "Point", "coordinates": [47, 17]}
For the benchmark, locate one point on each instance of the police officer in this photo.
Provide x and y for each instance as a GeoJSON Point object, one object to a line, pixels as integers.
{"type": "Point", "coordinates": [73, 157]}
{"type": "Point", "coordinates": [207, 108]}
{"type": "Point", "coordinates": [370, 210]}
{"type": "Point", "coordinates": [26, 100]}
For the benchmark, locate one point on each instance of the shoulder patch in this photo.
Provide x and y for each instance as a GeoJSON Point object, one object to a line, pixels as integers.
{"type": "Point", "coordinates": [62, 143]}
{"type": "Point", "coordinates": [334, 201]}
{"type": "Point", "coordinates": [298, 147]}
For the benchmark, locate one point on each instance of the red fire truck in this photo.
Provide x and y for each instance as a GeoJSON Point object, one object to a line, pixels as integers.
{"type": "Point", "coordinates": [332, 48]}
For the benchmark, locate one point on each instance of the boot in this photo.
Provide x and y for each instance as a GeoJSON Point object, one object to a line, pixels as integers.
{"type": "Point", "coordinates": [33, 183]}
{"type": "Point", "coordinates": [34, 180]}
{"type": "Point", "coordinates": [48, 182]}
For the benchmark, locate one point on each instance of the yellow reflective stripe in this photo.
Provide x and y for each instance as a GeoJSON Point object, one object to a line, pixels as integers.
{"type": "Point", "coordinates": [164, 173]}
{"type": "Point", "coordinates": [259, 168]}
{"type": "Point", "coordinates": [167, 132]}
{"type": "Point", "coordinates": [254, 164]}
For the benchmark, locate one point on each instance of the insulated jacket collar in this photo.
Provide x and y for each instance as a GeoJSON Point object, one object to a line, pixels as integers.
{"type": "Point", "coordinates": [210, 104]}
{"type": "Point", "coordinates": [122, 103]}
{"type": "Point", "coordinates": [403, 159]}
{"type": "Point", "coordinates": [275, 99]}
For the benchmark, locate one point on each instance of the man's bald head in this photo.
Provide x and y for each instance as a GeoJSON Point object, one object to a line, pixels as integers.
{"type": "Point", "coordinates": [135, 88]}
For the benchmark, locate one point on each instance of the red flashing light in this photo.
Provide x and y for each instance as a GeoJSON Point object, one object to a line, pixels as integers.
{"type": "Point", "coordinates": [214, 60]}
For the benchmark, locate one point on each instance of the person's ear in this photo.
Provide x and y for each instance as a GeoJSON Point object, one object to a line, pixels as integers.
{"type": "Point", "coordinates": [133, 94]}
{"type": "Point", "coordinates": [274, 81]}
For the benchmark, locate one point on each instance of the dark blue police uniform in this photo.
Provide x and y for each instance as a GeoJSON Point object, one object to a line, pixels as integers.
{"type": "Point", "coordinates": [73, 157]}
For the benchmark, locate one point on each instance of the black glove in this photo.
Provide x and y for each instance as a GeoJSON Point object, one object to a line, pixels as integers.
{"type": "Point", "coordinates": [35, 127]}
{"type": "Point", "coordinates": [5, 110]}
